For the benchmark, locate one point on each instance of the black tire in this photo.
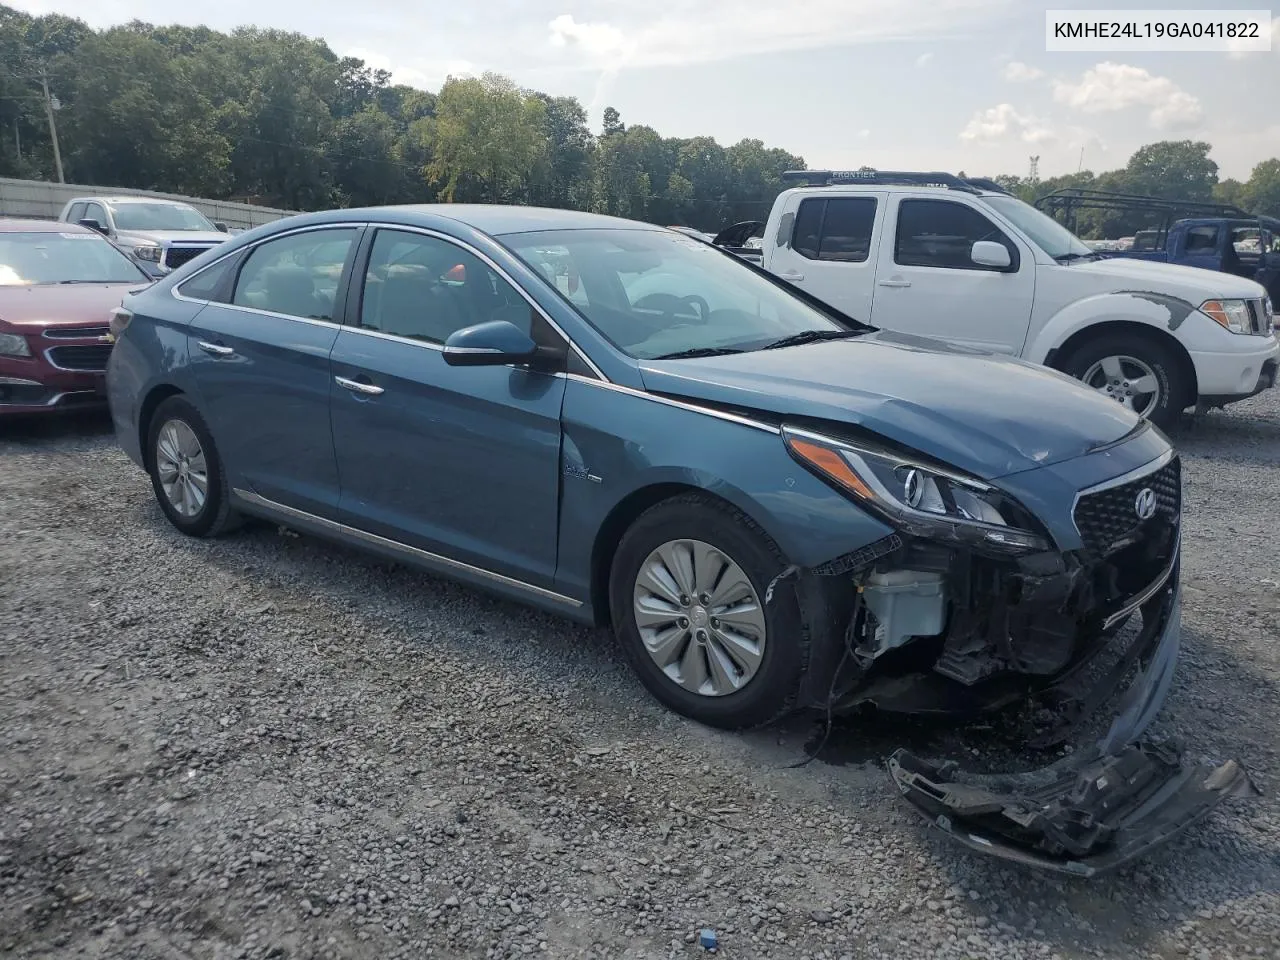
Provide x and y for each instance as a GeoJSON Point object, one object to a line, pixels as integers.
{"type": "Point", "coordinates": [215, 516]}
{"type": "Point", "coordinates": [776, 687]}
{"type": "Point", "coordinates": [1176, 393]}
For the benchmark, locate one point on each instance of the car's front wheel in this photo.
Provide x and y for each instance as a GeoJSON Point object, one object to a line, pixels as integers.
{"type": "Point", "coordinates": [1136, 371]}
{"type": "Point", "coordinates": [688, 600]}
{"type": "Point", "coordinates": [186, 472]}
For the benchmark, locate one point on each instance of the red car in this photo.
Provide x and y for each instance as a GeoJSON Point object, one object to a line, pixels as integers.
{"type": "Point", "coordinates": [59, 283]}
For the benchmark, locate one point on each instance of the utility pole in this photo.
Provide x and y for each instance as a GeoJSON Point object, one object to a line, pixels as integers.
{"type": "Point", "coordinates": [53, 127]}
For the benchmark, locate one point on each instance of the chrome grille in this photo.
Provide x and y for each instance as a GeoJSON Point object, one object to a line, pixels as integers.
{"type": "Point", "coordinates": [1109, 518]}
{"type": "Point", "coordinates": [76, 333]}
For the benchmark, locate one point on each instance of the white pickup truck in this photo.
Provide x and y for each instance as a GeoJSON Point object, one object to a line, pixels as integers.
{"type": "Point", "coordinates": [966, 262]}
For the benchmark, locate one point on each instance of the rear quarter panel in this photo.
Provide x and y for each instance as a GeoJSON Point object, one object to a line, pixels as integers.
{"type": "Point", "coordinates": [617, 443]}
{"type": "Point", "coordinates": [150, 355]}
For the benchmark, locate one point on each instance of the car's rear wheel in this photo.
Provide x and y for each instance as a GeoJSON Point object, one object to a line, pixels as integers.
{"type": "Point", "coordinates": [688, 595]}
{"type": "Point", "coordinates": [1137, 372]}
{"type": "Point", "coordinates": [186, 472]}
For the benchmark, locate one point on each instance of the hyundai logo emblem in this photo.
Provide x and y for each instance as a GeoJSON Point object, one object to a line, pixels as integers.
{"type": "Point", "coordinates": [1144, 505]}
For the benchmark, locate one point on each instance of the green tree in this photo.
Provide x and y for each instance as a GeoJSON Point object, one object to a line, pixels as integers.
{"type": "Point", "coordinates": [1261, 194]}
{"type": "Point", "coordinates": [487, 133]}
{"type": "Point", "coordinates": [1174, 169]}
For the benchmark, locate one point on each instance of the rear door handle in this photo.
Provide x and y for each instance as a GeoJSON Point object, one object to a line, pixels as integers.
{"type": "Point", "coordinates": [217, 349]}
{"type": "Point", "coordinates": [791, 275]}
{"type": "Point", "coordinates": [355, 386]}
{"type": "Point", "coordinates": [895, 283]}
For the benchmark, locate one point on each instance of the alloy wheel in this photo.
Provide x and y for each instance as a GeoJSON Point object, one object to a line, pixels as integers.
{"type": "Point", "coordinates": [699, 617]}
{"type": "Point", "coordinates": [182, 468]}
{"type": "Point", "coordinates": [1127, 380]}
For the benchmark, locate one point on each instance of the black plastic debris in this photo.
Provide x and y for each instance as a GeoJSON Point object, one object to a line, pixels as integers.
{"type": "Point", "coordinates": [1086, 817]}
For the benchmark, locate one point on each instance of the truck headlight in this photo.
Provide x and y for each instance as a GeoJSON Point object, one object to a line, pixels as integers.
{"type": "Point", "coordinates": [1233, 315]}
{"type": "Point", "coordinates": [922, 499]}
{"type": "Point", "coordinates": [12, 345]}
{"type": "Point", "coordinates": [148, 251]}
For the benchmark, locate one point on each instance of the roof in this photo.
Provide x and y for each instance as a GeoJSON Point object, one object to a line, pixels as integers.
{"type": "Point", "coordinates": [14, 225]}
{"type": "Point", "coordinates": [129, 199]}
{"type": "Point", "coordinates": [493, 219]}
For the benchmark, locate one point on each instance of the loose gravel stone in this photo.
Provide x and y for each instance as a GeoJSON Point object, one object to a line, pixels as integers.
{"type": "Point", "coordinates": [265, 746]}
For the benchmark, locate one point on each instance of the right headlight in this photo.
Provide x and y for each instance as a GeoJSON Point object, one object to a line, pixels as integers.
{"type": "Point", "coordinates": [921, 499]}
{"type": "Point", "coordinates": [1234, 315]}
{"type": "Point", "coordinates": [12, 345]}
{"type": "Point", "coordinates": [148, 251]}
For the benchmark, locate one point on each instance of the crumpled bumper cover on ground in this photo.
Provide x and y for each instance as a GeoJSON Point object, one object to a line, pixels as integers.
{"type": "Point", "coordinates": [1090, 812]}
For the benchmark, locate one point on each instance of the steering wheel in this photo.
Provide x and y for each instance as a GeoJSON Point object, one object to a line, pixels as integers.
{"type": "Point", "coordinates": [669, 303]}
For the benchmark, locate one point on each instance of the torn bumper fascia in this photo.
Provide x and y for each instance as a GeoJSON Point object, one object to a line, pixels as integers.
{"type": "Point", "coordinates": [1094, 810]}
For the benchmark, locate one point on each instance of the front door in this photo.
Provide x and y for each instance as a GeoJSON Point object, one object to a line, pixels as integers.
{"type": "Point", "coordinates": [261, 365]}
{"type": "Point", "coordinates": [462, 462]}
{"type": "Point", "coordinates": [928, 284]}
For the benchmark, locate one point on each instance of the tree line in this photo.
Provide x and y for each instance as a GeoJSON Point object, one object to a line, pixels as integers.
{"type": "Point", "coordinates": [278, 118]}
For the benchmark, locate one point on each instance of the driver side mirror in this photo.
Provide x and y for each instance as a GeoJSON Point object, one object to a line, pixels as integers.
{"type": "Point", "coordinates": [92, 225]}
{"type": "Point", "coordinates": [492, 344]}
{"type": "Point", "coordinates": [988, 253]}
{"type": "Point", "coordinates": [219, 226]}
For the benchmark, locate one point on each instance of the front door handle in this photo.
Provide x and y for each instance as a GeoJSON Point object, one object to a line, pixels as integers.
{"type": "Point", "coordinates": [791, 275]}
{"type": "Point", "coordinates": [217, 349]}
{"type": "Point", "coordinates": [895, 283]}
{"type": "Point", "coordinates": [355, 386]}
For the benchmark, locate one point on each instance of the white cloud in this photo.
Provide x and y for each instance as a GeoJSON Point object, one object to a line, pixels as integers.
{"type": "Point", "coordinates": [1111, 87]}
{"type": "Point", "coordinates": [923, 59]}
{"type": "Point", "coordinates": [420, 73]}
{"type": "Point", "coordinates": [1003, 122]}
{"type": "Point", "coordinates": [1235, 53]}
{"type": "Point", "coordinates": [698, 31]}
{"type": "Point", "coordinates": [864, 134]}
{"type": "Point", "coordinates": [597, 40]}
{"type": "Point", "coordinates": [1016, 71]}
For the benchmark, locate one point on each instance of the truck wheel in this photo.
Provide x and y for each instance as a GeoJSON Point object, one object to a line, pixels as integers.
{"type": "Point", "coordinates": [1136, 371]}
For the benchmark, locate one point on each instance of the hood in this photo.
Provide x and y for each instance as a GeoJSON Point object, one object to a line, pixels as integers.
{"type": "Point", "coordinates": [1190, 283]}
{"type": "Point", "coordinates": [53, 305]}
{"type": "Point", "coordinates": [166, 237]}
{"type": "Point", "coordinates": [989, 416]}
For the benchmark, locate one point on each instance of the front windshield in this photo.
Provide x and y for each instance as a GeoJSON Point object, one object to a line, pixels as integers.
{"type": "Point", "coordinates": [1045, 232]}
{"type": "Point", "coordinates": [159, 216]}
{"type": "Point", "coordinates": [657, 293]}
{"type": "Point", "coordinates": [46, 257]}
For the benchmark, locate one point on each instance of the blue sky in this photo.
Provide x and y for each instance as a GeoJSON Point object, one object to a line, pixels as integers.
{"type": "Point", "coordinates": [904, 84]}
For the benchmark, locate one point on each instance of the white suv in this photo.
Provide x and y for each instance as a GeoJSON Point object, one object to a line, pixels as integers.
{"type": "Point", "coordinates": [966, 262]}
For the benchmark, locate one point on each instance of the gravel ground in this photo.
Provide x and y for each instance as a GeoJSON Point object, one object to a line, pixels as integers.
{"type": "Point", "coordinates": [265, 746]}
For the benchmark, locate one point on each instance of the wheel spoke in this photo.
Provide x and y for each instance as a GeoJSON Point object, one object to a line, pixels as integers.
{"type": "Point", "coordinates": [732, 589]}
{"type": "Point", "coordinates": [677, 557]}
{"type": "Point", "coordinates": [1145, 384]}
{"type": "Point", "coordinates": [693, 668]}
{"type": "Point", "coordinates": [167, 469]}
{"type": "Point", "coordinates": [1111, 367]}
{"type": "Point", "coordinates": [709, 567]}
{"type": "Point", "coordinates": [652, 612]}
{"type": "Point", "coordinates": [167, 446]}
{"type": "Point", "coordinates": [725, 675]}
{"type": "Point", "coordinates": [746, 618]}
{"type": "Point", "coordinates": [656, 579]}
{"type": "Point", "coordinates": [667, 646]}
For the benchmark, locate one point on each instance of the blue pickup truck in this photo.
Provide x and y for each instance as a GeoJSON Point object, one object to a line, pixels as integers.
{"type": "Point", "coordinates": [1211, 236]}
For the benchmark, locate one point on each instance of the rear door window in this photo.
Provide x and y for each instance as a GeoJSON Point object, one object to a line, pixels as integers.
{"type": "Point", "coordinates": [297, 275]}
{"type": "Point", "coordinates": [835, 228]}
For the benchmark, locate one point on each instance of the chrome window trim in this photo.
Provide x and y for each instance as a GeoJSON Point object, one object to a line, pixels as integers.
{"type": "Point", "coordinates": [678, 404]}
{"type": "Point", "coordinates": [449, 563]}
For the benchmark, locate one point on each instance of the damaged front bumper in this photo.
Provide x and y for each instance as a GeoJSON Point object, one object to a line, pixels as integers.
{"type": "Point", "coordinates": [1096, 809]}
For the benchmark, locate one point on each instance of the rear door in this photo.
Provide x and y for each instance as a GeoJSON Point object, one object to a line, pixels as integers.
{"type": "Point", "coordinates": [928, 284]}
{"type": "Point", "coordinates": [825, 246]}
{"type": "Point", "coordinates": [261, 365]}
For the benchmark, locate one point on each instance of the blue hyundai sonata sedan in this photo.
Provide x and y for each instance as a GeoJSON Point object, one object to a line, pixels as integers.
{"type": "Point", "coordinates": [772, 505]}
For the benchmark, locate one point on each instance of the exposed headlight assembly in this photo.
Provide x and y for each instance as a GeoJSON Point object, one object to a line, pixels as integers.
{"type": "Point", "coordinates": [921, 499]}
{"type": "Point", "coordinates": [12, 345]}
{"type": "Point", "coordinates": [149, 252]}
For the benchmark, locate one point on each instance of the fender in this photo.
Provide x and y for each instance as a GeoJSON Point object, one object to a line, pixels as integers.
{"type": "Point", "coordinates": [1156, 310]}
